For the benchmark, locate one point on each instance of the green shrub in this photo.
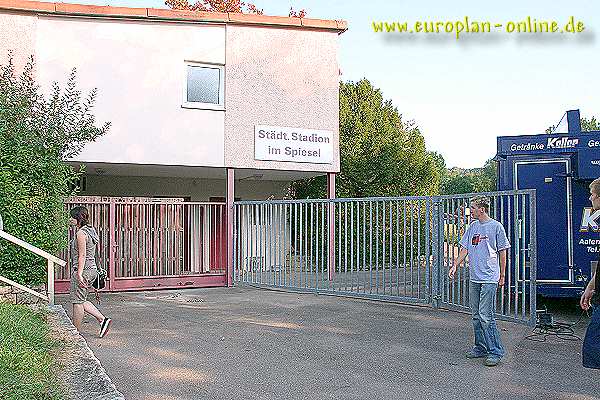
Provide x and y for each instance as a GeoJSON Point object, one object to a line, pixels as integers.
{"type": "Point", "coordinates": [36, 135]}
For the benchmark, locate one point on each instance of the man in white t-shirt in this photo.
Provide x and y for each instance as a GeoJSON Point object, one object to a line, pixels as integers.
{"type": "Point", "coordinates": [486, 244]}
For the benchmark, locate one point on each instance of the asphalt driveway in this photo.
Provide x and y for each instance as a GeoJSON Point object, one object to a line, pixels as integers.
{"type": "Point", "coordinates": [245, 343]}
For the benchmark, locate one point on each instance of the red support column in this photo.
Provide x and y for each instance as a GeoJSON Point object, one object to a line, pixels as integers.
{"type": "Point", "coordinates": [331, 222]}
{"type": "Point", "coordinates": [112, 245]}
{"type": "Point", "coordinates": [230, 196]}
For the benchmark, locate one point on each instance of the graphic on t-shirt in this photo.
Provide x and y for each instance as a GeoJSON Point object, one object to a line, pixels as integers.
{"type": "Point", "coordinates": [477, 238]}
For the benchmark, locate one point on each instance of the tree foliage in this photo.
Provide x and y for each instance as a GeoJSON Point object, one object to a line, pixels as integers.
{"type": "Point", "coordinates": [380, 154]}
{"type": "Point", "coordinates": [459, 180]}
{"type": "Point", "coordinates": [236, 6]}
{"type": "Point", "coordinates": [590, 124]}
{"type": "Point", "coordinates": [36, 135]}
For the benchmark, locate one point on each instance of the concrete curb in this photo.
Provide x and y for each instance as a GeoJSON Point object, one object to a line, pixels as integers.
{"type": "Point", "coordinates": [83, 374]}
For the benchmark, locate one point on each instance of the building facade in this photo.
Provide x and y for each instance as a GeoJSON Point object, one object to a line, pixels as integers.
{"type": "Point", "coordinates": [205, 108]}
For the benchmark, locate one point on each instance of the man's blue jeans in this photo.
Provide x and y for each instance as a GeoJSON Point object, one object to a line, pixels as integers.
{"type": "Point", "coordinates": [482, 299]}
{"type": "Point", "coordinates": [591, 342]}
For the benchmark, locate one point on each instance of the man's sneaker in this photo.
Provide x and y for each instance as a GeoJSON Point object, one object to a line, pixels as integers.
{"type": "Point", "coordinates": [475, 354]}
{"type": "Point", "coordinates": [492, 361]}
{"type": "Point", "coordinates": [105, 326]}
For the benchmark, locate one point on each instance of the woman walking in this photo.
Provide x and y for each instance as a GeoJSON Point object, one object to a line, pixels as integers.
{"type": "Point", "coordinates": [84, 270]}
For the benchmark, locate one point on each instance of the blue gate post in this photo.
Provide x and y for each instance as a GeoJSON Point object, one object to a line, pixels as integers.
{"type": "Point", "coordinates": [532, 259]}
{"type": "Point", "coordinates": [230, 197]}
{"type": "Point", "coordinates": [330, 226]}
{"type": "Point", "coordinates": [236, 227]}
{"type": "Point", "coordinates": [437, 238]}
{"type": "Point", "coordinates": [428, 246]}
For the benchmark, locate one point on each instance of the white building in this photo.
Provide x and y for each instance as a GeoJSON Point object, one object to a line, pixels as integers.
{"type": "Point", "coordinates": [205, 108]}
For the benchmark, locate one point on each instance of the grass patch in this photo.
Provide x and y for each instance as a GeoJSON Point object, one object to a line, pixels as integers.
{"type": "Point", "coordinates": [27, 365]}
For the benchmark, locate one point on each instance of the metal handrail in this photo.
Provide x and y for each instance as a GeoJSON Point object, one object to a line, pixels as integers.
{"type": "Point", "coordinates": [52, 260]}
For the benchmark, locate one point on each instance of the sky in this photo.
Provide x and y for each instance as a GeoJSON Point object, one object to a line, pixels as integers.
{"type": "Point", "coordinates": [464, 93]}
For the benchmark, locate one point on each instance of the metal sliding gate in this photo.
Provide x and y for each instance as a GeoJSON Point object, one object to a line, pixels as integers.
{"type": "Point", "coordinates": [397, 249]}
{"type": "Point", "coordinates": [150, 243]}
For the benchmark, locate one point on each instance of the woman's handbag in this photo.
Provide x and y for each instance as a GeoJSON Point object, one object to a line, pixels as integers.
{"type": "Point", "coordinates": [100, 282]}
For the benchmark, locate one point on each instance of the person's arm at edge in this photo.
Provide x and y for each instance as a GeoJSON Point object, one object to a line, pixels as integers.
{"type": "Point", "coordinates": [81, 237]}
{"type": "Point", "coordinates": [462, 254]}
{"type": "Point", "coordinates": [590, 289]}
{"type": "Point", "coordinates": [503, 253]}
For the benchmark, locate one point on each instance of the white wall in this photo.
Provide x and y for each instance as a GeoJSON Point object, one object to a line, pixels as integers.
{"type": "Point", "coordinates": [273, 76]}
{"type": "Point", "coordinates": [139, 70]}
{"type": "Point", "coordinates": [279, 77]}
{"type": "Point", "coordinates": [17, 34]}
{"type": "Point", "coordinates": [195, 189]}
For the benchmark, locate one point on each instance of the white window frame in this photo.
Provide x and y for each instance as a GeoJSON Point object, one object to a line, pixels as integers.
{"type": "Point", "coordinates": [198, 105]}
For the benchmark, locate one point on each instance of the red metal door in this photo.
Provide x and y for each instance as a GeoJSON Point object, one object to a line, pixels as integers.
{"type": "Point", "coordinates": [155, 243]}
{"type": "Point", "coordinates": [218, 242]}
